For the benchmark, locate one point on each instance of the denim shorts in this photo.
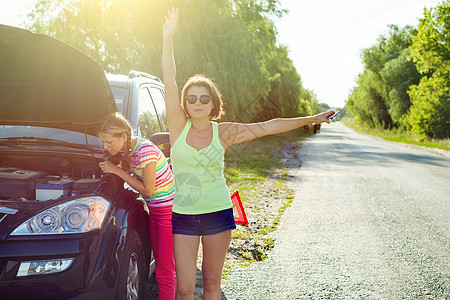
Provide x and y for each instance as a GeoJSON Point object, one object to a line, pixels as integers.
{"type": "Point", "coordinates": [203, 224]}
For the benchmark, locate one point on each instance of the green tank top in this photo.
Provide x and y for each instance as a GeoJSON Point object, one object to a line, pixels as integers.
{"type": "Point", "coordinates": [200, 186]}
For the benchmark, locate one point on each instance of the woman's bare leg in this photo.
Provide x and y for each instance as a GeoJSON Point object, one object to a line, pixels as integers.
{"type": "Point", "coordinates": [185, 252]}
{"type": "Point", "coordinates": [214, 247]}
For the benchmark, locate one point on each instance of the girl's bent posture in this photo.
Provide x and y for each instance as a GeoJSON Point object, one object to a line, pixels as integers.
{"type": "Point", "coordinates": [145, 168]}
{"type": "Point", "coordinates": [202, 209]}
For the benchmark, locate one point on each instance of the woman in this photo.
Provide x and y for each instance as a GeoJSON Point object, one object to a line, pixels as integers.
{"type": "Point", "coordinates": [145, 168]}
{"type": "Point", "coordinates": [202, 207]}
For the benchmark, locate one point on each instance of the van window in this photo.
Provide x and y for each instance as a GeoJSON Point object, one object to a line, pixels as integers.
{"type": "Point", "coordinates": [160, 105]}
{"type": "Point", "coordinates": [120, 94]}
{"type": "Point", "coordinates": [148, 122]}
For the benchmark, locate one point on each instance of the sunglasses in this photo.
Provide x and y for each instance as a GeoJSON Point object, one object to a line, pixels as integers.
{"type": "Point", "coordinates": [192, 99]}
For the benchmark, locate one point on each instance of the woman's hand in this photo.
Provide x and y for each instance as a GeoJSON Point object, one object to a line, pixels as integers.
{"type": "Point", "coordinates": [171, 23]}
{"type": "Point", "coordinates": [322, 117]}
{"type": "Point", "coordinates": [109, 167]}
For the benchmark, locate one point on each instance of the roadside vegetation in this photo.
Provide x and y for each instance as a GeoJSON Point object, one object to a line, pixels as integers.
{"type": "Point", "coordinates": [399, 135]}
{"type": "Point", "coordinates": [405, 85]}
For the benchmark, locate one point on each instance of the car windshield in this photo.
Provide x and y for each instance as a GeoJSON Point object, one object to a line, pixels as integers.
{"type": "Point", "coordinates": [55, 134]}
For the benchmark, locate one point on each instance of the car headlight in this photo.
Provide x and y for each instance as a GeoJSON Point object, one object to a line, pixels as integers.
{"type": "Point", "coordinates": [77, 216]}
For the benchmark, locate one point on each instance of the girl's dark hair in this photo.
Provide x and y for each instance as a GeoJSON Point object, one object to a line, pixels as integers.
{"type": "Point", "coordinates": [117, 125]}
{"type": "Point", "coordinates": [201, 80]}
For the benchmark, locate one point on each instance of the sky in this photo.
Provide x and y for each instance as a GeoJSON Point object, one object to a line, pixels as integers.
{"type": "Point", "coordinates": [324, 37]}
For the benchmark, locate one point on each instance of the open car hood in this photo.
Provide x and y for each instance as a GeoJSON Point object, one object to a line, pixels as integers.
{"type": "Point", "coordinates": [45, 82]}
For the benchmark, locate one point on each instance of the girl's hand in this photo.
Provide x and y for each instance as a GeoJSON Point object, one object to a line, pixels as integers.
{"type": "Point", "coordinates": [171, 23]}
{"type": "Point", "coordinates": [109, 167]}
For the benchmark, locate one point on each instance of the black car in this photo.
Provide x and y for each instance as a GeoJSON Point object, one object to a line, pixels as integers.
{"type": "Point", "coordinates": [67, 231]}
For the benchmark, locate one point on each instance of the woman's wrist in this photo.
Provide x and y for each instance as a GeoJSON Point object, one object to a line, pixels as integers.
{"type": "Point", "coordinates": [314, 119]}
{"type": "Point", "coordinates": [309, 120]}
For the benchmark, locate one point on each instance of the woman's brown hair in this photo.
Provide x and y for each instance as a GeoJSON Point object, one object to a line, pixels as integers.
{"type": "Point", "coordinates": [201, 80]}
{"type": "Point", "coordinates": [117, 125]}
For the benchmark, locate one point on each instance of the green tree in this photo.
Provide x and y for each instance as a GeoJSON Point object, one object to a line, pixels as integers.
{"type": "Point", "coordinates": [430, 111]}
{"type": "Point", "coordinates": [324, 106]}
{"type": "Point", "coordinates": [305, 108]}
{"type": "Point", "coordinates": [398, 75]}
{"type": "Point", "coordinates": [232, 41]}
{"type": "Point", "coordinates": [311, 97]}
{"type": "Point", "coordinates": [380, 98]}
{"type": "Point", "coordinates": [366, 102]}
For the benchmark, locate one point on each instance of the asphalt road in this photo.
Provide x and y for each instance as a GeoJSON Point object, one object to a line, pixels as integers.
{"type": "Point", "coordinates": [370, 220]}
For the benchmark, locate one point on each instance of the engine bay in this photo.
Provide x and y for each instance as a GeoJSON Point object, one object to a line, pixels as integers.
{"type": "Point", "coordinates": [46, 177]}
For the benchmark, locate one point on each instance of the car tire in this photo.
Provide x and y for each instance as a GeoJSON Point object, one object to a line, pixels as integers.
{"type": "Point", "coordinates": [133, 270]}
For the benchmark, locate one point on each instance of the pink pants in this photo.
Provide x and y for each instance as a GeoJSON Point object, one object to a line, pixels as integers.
{"type": "Point", "coordinates": [162, 245]}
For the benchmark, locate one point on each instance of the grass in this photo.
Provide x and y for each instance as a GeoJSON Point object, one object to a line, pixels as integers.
{"type": "Point", "coordinates": [399, 136]}
{"type": "Point", "coordinates": [259, 157]}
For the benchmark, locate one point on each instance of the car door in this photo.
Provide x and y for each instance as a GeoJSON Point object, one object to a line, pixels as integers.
{"type": "Point", "coordinates": [157, 94]}
{"type": "Point", "coordinates": [149, 121]}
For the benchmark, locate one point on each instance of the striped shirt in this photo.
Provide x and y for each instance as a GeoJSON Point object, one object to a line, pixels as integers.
{"type": "Point", "coordinates": [144, 153]}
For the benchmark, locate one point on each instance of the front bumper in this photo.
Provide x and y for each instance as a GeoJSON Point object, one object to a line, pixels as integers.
{"type": "Point", "coordinates": [92, 274]}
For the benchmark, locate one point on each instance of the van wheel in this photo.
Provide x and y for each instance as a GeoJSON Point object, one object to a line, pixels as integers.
{"type": "Point", "coordinates": [132, 271]}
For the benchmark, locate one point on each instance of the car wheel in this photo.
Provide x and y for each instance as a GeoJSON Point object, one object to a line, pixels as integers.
{"type": "Point", "coordinates": [133, 270]}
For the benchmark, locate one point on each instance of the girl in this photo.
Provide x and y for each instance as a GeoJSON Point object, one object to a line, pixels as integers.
{"type": "Point", "coordinates": [144, 168]}
{"type": "Point", "coordinates": [202, 209]}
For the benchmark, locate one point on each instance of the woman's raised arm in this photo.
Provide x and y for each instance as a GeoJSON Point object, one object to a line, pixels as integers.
{"type": "Point", "coordinates": [176, 117]}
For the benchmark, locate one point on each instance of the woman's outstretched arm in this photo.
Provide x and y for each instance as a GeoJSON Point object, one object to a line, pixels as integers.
{"type": "Point", "coordinates": [176, 117]}
{"type": "Point", "coordinates": [235, 133]}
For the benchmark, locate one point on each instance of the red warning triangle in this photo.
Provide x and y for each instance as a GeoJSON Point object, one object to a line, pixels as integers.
{"type": "Point", "coordinates": [241, 218]}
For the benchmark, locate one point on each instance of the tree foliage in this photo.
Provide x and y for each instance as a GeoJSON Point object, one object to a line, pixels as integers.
{"type": "Point", "coordinates": [232, 41]}
{"type": "Point", "coordinates": [406, 78]}
{"type": "Point", "coordinates": [380, 98]}
{"type": "Point", "coordinates": [430, 111]}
